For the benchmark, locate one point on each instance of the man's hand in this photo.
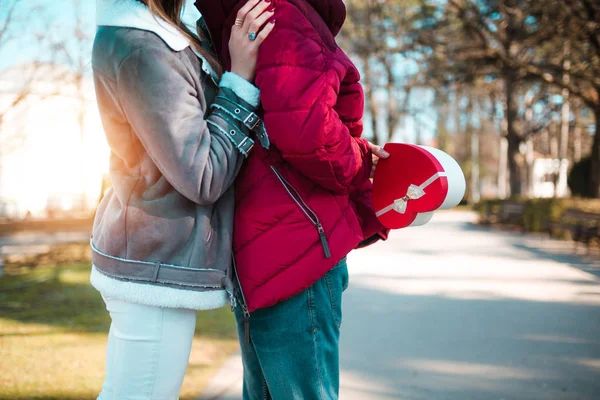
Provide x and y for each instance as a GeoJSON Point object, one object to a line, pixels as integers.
{"type": "Point", "coordinates": [378, 152]}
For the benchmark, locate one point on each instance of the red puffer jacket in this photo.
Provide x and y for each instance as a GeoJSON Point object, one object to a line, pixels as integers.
{"type": "Point", "coordinates": [305, 203]}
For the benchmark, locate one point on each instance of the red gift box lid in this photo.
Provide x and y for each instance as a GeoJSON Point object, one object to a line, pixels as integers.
{"type": "Point", "coordinates": [414, 182]}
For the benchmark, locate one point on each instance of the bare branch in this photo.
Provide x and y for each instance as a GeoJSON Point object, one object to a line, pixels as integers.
{"type": "Point", "coordinates": [6, 24]}
{"type": "Point", "coordinates": [557, 79]}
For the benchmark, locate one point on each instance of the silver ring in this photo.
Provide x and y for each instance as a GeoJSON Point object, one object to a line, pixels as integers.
{"type": "Point", "coordinates": [252, 36]}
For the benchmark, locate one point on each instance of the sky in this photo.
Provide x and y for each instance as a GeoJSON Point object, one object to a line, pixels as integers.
{"type": "Point", "coordinates": [34, 16]}
{"type": "Point", "coordinates": [35, 19]}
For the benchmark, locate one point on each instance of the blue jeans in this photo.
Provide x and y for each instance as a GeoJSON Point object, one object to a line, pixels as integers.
{"type": "Point", "coordinates": [294, 346]}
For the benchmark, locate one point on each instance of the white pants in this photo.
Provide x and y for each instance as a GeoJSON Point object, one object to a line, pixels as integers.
{"type": "Point", "coordinates": [148, 351]}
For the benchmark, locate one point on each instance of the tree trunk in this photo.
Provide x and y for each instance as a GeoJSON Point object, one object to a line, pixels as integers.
{"type": "Point", "coordinates": [561, 182]}
{"type": "Point", "coordinates": [595, 181]}
{"type": "Point", "coordinates": [441, 107]}
{"type": "Point", "coordinates": [528, 183]}
{"type": "Point", "coordinates": [392, 103]}
{"type": "Point", "coordinates": [1, 153]}
{"type": "Point", "coordinates": [564, 127]}
{"type": "Point", "coordinates": [475, 187]}
{"type": "Point", "coordinates": [511, 134]}
{"type": "Point", "coordinates": [529, 170]}
{"type": "Point", "coordinates": [370, 95]}
{"type": "Point", "coordinates": [514, 171]}
{"type": "Point", "coordinates": [545, 142]}
{"type": "Point", "coordinates": [554, 150]}
{"type": "Point", "coordinates": [83, 161]}
{"type": "Point", "coordinates": [417, 122]}
{"type": "Point", "coordinates": [553, 140]}
{"type": "Point", "coordinates": [474, 150]}
{"type": "Point", "coordinates": [502, 168]}
{"type": "Point", "coordinates": [577, 131]}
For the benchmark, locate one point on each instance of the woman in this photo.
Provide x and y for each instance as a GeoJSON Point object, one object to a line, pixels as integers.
{"type": "Point", "coordinates": [162, 235]}
{"type": "Point", "coordinates": [303, 201]}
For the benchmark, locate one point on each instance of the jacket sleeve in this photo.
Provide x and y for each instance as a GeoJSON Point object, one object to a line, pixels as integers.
{"type": "Point", "coordinates": [300, 82]}
{"type": "Point", "coordinates": [166, 111]}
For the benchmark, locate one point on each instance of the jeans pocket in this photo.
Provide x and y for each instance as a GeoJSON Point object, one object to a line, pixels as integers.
{"type": "Point", "coordinates": [345, 280]}
{"type": "Point", "coordinates": [337, 282]}
{"type": "Point", "coordinates": [345, 276]}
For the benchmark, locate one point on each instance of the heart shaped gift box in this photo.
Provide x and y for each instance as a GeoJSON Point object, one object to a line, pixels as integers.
{"type": "Point", "coordinates": [413, 183]}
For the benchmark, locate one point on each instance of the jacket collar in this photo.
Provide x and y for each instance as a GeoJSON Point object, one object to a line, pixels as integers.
{"type": "Point", "coordinates": [133, 14]}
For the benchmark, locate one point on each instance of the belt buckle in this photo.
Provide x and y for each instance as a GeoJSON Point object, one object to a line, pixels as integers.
{"type": "Point", "coordinates": [252, 121]}
{"type": "Point", "coordinates": [246, 149]}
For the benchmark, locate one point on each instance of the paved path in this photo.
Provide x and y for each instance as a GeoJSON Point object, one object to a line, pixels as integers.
{"type": "Point", "coordinates": [453, 311]}
{"type": "Point", "coordinates": [32, 243]}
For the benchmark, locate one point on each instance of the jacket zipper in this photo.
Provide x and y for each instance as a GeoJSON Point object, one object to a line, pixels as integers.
{"type": "Point", "coordinates": [244, 306]}
{"type": "Point", "coordinates": [310, 214]}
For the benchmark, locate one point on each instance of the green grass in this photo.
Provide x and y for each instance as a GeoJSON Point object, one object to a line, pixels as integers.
{"type": "Point", "coordinates": [53, 337]}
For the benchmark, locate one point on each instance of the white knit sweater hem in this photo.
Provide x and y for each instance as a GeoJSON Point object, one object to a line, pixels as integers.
{"type": "Point", "coordinates": [157, 296]}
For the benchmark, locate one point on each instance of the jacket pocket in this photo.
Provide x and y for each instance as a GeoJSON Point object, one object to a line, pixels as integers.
{"type": "Point", "coordinates": [306, 210]}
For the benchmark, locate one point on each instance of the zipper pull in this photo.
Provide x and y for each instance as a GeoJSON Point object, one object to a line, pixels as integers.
{"type": "Point", "coordinates": [246, 325]}
{"type": "Point", "coordinates": [232, 300]}
{"type": "Point", "coordinates": [323, 240]}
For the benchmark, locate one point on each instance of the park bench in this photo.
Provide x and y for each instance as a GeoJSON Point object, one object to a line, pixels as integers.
{"type": "Point", "coordinates": [507, 213]}
{"type": "Point", "coordinates": [512, 214]}
{"type": "Point", "coordinates": [584, 227]}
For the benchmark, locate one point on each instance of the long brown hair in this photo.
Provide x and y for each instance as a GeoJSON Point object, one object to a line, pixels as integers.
{"type": "Point", "coordinates": [170, 11]}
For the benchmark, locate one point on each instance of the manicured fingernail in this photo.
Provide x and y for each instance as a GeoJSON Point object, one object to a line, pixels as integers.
{"type": "Point", "coordinates": [273, 20]}
{"type": "Point", "coordinates": [385, 153]}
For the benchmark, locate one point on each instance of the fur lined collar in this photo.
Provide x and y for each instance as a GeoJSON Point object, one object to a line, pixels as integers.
{"type": "Point", "coordinates": [133, 14]}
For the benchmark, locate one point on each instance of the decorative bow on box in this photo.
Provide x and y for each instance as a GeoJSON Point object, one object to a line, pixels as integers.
{"type": "Point", "coordinates": [413, 183]}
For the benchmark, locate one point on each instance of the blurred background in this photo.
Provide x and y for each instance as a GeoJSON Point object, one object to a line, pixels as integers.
{"type": "Point", "coordinates": [509, 88]}
{"type": "Point", "coordinates": [52, 155]}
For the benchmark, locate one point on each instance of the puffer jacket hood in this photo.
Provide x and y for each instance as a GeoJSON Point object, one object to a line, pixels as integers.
{"type": "Point", "coordinates": [216, 14]}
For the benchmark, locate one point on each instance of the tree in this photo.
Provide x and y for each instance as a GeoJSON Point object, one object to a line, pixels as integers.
{"type": "Point", "coordinates": [75, 52]}
{"type": "Point", "coordinates": [467, 40]}
{"type": "Point", "coordinates": [376, 32]}
{"type": "Point", "coordinates": [59, 66]}
{"type": "Point", "coordinates": [17, 92]}
{"type": "Point", "coordinates": [8, 19]}
{"type": "Point", "coordinates": [529, 70]}
{"type": "Point", "coordinates": [554, 42]}
{"type": "Point", "coordinates": [359, 36]}
{"type": "Point", "coordinates": [577, 27]}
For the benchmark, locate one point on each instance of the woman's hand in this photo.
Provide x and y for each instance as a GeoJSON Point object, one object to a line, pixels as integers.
{"type": "Point", "coordinates": [252, 26]}
{"type": "Point", "coordinates": [378, 152]}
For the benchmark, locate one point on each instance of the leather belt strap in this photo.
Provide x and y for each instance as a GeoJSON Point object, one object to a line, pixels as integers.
{"type": "Point", "coordinates": [242, 142]}
{"type": "Point", "coordinates": [248, 118]}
